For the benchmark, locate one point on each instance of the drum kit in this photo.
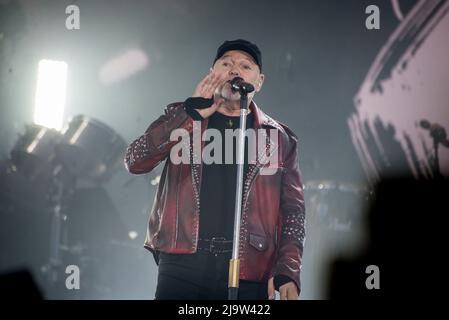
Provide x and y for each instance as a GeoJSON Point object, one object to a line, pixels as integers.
{"type": "Point", "coordinates": [86, 150]}
{"type": "Point", "coordinates": [43, 172]}
{"type": "Point", "coordinates": [335, 216]}
{"type": "Point", "coordinates": [335, 205]}
{"type": "Point", "coordinates": [335, 225]}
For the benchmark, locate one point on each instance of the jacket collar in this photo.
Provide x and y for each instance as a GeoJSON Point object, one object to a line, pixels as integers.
{"type": "Point", "coordinates": [261, 119]}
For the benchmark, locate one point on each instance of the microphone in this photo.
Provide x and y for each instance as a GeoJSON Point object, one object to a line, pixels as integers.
{"type": "Point", "coordinates": [237, 84]}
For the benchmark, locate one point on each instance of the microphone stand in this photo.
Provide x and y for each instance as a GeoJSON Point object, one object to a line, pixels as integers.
{"type": "Point", "coordinates": [234, 263]}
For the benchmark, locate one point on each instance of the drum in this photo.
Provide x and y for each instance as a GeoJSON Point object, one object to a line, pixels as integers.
{"type": "Point", "coordinates": [333, 205]}
{"type": "Point", "coordinates": [335, 216]}
{"type": "Point", "coordinates": [34, 152]}
{"type": "Point", "coordinates": [20, 195]}
{"type": "Point", "coordinates": [91, 150]}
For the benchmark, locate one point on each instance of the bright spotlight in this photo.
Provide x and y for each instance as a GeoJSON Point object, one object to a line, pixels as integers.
{"type": "Point", "coordinates": [50, 94]}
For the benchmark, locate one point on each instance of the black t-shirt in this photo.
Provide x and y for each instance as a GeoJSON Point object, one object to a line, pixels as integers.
{"type": "Point", "coordinates": [218, 182]}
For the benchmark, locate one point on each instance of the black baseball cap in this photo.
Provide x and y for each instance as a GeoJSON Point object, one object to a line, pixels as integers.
{"type": "Point", "coordinates": [242, 45]}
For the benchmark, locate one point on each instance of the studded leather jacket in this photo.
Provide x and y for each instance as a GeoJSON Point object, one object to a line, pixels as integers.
{"type": "Point", "coordinates": [272, 228]}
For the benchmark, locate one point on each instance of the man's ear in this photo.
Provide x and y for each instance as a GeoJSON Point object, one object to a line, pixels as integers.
{"type": "Point", "coordinates": [260, 82]}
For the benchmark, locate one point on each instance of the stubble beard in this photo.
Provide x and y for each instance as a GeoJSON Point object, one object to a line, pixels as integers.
{"type": "Point", "coordinates": [227, 94]}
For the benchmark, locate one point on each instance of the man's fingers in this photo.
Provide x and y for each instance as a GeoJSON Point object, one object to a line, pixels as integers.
{"type": "Point", "coordinates": [210, 85]}
{"type": "Point", "coordinates": [283, 293]}
{"type": "Point", "coordinates": [288, 291]}
{"type": "Point", "coordinates": [205, 80]}
{"type": "Point", "coordinates": [271, 292]}
{"type": "Point", "coordinates": [215, 82]}
{"type": "Point", "coordinates": [208, 80]}
{"type": "Point", "coordinates": [204, 83]}
{"type": "Point", "coordinates": [206, 88]}
{"type": "Point", "coordinates": [292, 294]}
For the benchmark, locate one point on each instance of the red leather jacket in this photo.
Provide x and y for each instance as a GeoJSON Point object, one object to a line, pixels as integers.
{"type": "Point", "coordinates": [273, 214]}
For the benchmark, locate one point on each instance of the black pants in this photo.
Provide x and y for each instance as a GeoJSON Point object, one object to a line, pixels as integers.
{"type": "Point", "coordinates": [201, 276]}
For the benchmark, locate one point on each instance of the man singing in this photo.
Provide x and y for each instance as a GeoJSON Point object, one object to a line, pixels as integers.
{"type": "Point", "coordinates": [190, 228]}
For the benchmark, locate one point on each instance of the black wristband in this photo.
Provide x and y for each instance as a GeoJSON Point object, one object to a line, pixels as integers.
{"type": "Point", "coordinates": [279, 280]}
{"type": "Point", "coordinates": [198, 103]}
{"type": "Point", "coordinates": [195, 115]}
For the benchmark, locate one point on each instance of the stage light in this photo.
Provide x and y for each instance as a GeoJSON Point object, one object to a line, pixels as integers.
{"type": "Point", "coordinates": [133, 235]}
{"type": "Point", "coordinates": [50, 94]}
{"type": "Point", "coordinates": [123, 66]}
